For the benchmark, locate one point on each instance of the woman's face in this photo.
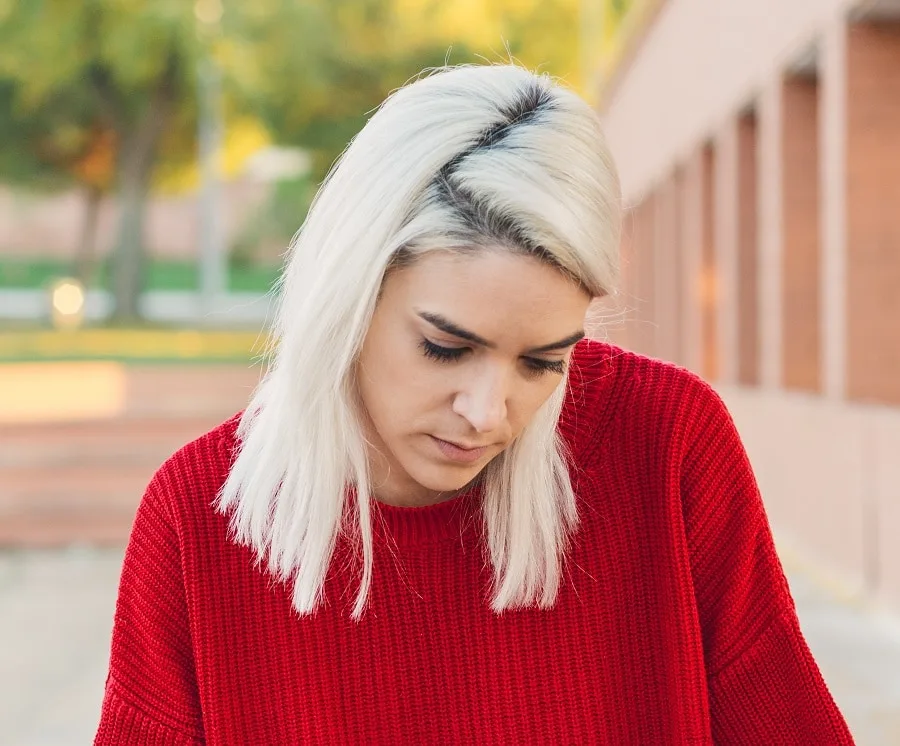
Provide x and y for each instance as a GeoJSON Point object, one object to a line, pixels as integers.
{"type": "Point", "coordinates": [461, 352]}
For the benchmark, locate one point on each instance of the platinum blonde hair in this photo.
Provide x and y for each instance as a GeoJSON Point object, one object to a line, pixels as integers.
{"type": "Point", "coordinates": [465, 158]}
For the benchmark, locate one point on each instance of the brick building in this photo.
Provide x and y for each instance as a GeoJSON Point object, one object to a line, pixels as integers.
{"type": "Point", "coordinates": [759, 148]}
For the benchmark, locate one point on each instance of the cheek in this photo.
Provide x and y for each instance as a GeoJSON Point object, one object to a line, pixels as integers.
{"type": "Point", "coordinates": [402, 392]}
{"type": "Point", "coordinates": [530, 399]}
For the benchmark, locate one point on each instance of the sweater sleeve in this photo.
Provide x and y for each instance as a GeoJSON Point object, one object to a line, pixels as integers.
{"type": "Point", "coordinates": [151, 692]}
{"type": "Point", "coordinates": [764, 686]}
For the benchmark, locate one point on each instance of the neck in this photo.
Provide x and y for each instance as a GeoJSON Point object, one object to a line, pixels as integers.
{"type": "Point", "coordinates": [392, 486]}
{"type": "Point", "coordinates": [406, 499]}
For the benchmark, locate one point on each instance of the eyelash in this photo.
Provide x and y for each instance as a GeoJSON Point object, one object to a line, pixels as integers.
{"type": "Point", "coordinates": [452, 354]}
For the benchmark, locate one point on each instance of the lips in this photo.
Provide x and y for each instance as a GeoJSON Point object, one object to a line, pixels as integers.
{"type": "Point", "coordinates": [459, 453]}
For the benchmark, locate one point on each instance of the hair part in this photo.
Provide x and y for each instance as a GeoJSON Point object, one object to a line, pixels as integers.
{"type": "Point", "coordinates": [468, 158]}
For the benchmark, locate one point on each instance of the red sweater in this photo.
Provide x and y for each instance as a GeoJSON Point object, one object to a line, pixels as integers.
{"type": "Point", "coordinates": [674, 624]}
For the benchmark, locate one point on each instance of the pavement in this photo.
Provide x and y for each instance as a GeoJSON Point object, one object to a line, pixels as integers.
{"type": "Point", "coordinates": [56, 610]}
{"type": "Point", "coordinates": [162, 306]}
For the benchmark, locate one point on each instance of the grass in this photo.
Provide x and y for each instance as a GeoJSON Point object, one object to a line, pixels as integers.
{"type": "Point", "coordinates": [31, 342]}
{"type": "Point", "coordinates": [162, 274]}
{"type": "Point", "coordinates": [135, 345]}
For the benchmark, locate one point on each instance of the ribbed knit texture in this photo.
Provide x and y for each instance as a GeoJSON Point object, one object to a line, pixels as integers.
{"type": "Point", "coordinates": [674, 624]}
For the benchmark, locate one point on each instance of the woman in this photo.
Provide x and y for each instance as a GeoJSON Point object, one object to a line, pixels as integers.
{"type": "Point", "coordinates": [445, 517]}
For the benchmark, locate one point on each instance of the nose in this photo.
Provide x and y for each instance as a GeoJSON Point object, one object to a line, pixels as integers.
{"type": "Point", "coordinates": [482, 401]}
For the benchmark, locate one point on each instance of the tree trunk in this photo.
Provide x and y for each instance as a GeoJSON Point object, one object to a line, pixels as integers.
{"type": "Point", "coordinates": [85, 252]}
{"type": "Point", "coordinates": [128, 257]}
{"type": "Point", "coordinates": [136, 161]}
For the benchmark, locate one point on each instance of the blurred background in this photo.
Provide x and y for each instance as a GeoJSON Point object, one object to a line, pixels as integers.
{"type": "Point", "coordinates": [156, 159]}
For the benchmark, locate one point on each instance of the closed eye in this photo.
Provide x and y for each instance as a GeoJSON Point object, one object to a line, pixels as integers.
{"type": "Point", "coordinates": [451, 354]}
{"type": "Point", "coordinates": [545, 366]}
{"type": "Point", "coordinates": [441, 353]}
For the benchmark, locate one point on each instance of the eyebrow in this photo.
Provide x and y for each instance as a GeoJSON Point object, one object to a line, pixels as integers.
{"type": "Point", "coordinates": [447, 326]}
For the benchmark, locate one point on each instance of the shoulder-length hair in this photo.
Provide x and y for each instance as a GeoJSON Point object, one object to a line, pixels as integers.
{"type": "Point", "coordinates": [464, 158]}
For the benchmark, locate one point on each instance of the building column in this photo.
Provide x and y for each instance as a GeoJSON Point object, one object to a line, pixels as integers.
{"type": "Point", "coordinates": [692, 262]}
{"type": "Point", "coordinates": [769, 201]}
{"type": "Point", "coordinates": [609, 318]}
{"type": "Point", "coordinates": [747, 289]}
{"type": "Point", "coordinates": [648, 271]}
{"type": "Point", "coordinates": [725, 231]}
{"type": "Point", "coordinates": [664, 244]}
{"type": "Point", "coordinates": [709, 277]}
{"type": "Point", "coordinates": [676, 213]}
{"type": "Point", "coordinates": [833, 216]}
{"type": "Point", "coordinates": [638, 301]}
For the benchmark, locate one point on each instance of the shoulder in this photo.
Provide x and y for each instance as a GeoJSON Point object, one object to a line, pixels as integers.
{"type": "Point", "coordinates": [194, 474]}
{"type": "Point", "coordinates": [613, 390]}
{"type": "Point", "coordinates": [596, 362]}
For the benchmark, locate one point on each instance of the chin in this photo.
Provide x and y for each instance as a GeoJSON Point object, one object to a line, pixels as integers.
{"type": "Point", "coordinates": [447, 480]}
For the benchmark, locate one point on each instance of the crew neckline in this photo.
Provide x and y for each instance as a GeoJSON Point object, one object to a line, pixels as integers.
{"type": "Point", "coordinates": [428, 524]}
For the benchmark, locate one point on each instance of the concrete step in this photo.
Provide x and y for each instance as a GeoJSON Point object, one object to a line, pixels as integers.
{"type": "Point", "coordinates": [79, 480]}
{"type": "Point", "coordinates": [100, 390]}
{"type": "Point", "coordinates": [80, 483]}
{"type": "Point", "coordinates": [80, 504]}
{"type": "Point", "coordinates": [59, 528]}
{"type": "Point", "coordinates": [130, 440]}
{"type": "Point", "coordinates": [73, 486]}
{"type": "Point", "coordinates": [196, 391]}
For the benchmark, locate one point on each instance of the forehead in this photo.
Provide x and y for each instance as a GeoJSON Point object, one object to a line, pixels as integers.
{"type": "Point", "coordinates": [489, 292]}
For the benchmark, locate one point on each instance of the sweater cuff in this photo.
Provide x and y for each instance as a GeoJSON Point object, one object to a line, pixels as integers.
{"type": "Point", "coordinates": [123, 724]}
{"type": "Point", "coordinates": [774, 693]}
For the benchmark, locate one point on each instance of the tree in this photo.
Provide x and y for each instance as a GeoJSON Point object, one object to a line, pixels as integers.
{"type": "Point", "coordinates": [541, 34]}
{"type": "Point", "coordinates": [113, 71]}
{"type": "Point", "coordinates": [128, 69]}
{"type": "Point", "coordinates": [374, 46]}
{"type": "Point", "coordinates": [381, 44]}
{"type": "Point", "coordinates": [120, 77]}
{"type": "Point", "coordinates": [56, 147]}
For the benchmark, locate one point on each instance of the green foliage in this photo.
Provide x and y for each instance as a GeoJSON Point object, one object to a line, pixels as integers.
{"type": "Point", "coordinates": [351, 61]}
{"type": "Point", "coordinates": [73, 68]}
{"type": "Point", "coordinates": [100, 92]}
{"type": "Point", "coordinates": [35, 146]}
{"type": "Point", "coordinates": [313, 69]}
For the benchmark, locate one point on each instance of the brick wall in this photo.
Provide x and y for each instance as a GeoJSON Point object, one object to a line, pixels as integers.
{"type": "Point", "coordinates": [801, 359]}
{"type": "Point", "coordinates": [873, 212]}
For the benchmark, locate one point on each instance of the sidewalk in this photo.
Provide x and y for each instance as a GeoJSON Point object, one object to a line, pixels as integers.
{"type": "Point", "coordinates": [165, 306]}
{"type": "Point", "coordinates": [56, 614]}
{"type": "Point", "coordinates": [859, 655]}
